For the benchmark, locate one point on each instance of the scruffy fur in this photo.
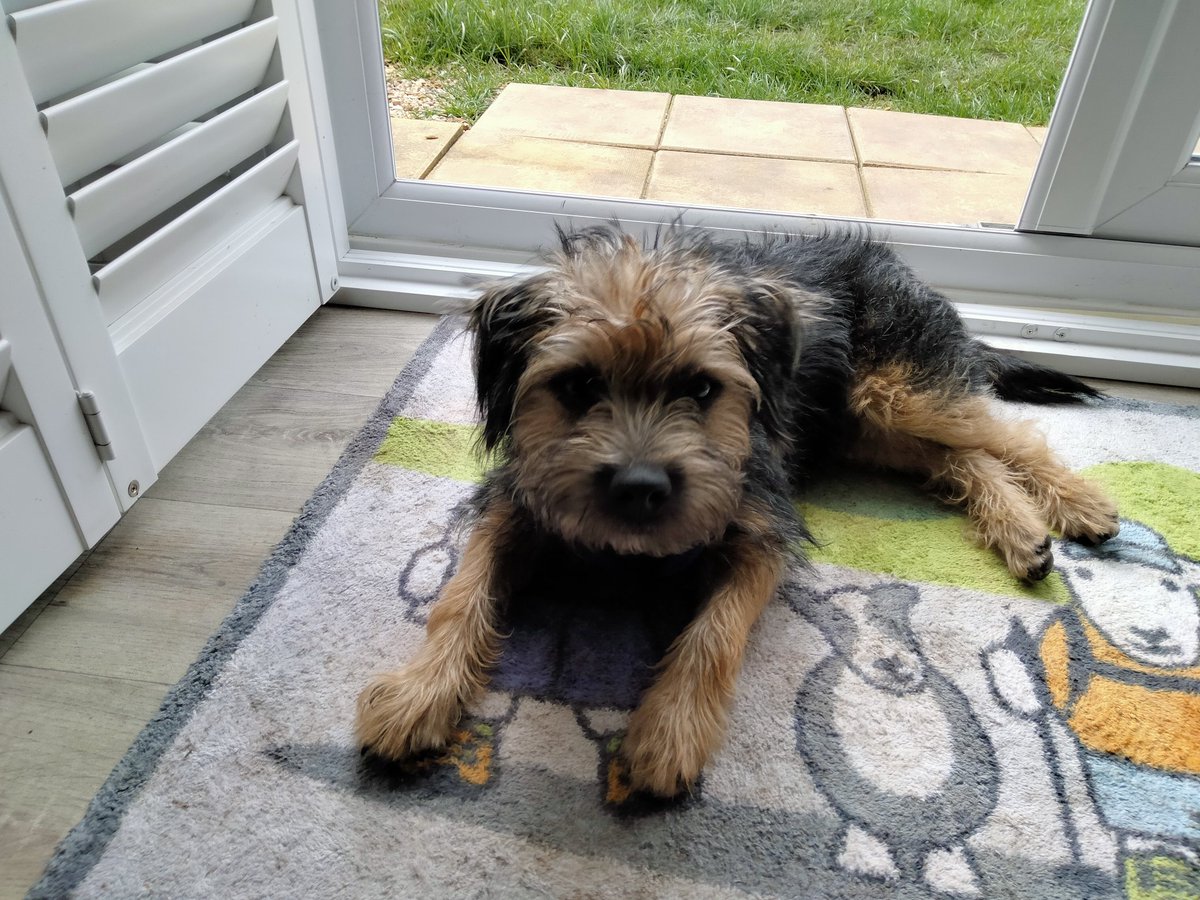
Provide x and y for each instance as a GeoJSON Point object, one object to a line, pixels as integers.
{"type": "Point", "coordinates": [662, 401]}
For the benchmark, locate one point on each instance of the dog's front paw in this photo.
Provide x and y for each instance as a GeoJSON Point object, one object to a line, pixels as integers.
{"type": "Point", "coordinates": [664, 749]}
{"type": "Point", "coordinates": [401, 713]}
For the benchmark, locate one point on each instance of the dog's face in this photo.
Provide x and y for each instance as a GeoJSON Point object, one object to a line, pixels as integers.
{"type": "Point", "coordinates": [623, 385]}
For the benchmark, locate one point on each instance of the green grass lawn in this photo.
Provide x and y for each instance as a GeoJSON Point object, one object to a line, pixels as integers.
{"type": "Point", "coordinates": [985, 59]}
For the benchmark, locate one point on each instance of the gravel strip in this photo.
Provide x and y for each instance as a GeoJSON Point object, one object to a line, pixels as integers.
{"type": "Point", "coordinates": [415, 98]}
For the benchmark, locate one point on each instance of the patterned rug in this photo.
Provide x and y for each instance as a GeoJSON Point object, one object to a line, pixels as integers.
{"type": "Point", "coordinates": [910, 722]}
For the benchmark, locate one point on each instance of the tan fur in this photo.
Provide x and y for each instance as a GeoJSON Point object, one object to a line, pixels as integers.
{"type": "Point", "coordinates": [681, 721]}
{"type": "Point", "coordinates": [638, 325]}
{"type": "Point", "coordinates": [1011, 484]}
{"type": "Point", "coordinates": [416, 708]}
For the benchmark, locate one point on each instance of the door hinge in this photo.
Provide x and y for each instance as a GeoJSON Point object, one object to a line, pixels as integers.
{"type": "Point", "coordinates": [95, 424]}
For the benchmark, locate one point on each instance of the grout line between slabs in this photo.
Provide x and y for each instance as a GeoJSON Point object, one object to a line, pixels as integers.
{"type": "Point", "coordinates": [662, 129]}
{"type": "Point", "coordinates": [462, 129]}
{"type": "Point", "coordinates": [868, 207]}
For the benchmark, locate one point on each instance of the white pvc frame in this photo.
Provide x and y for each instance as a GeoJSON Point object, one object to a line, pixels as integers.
{"type": "Point", "coordinates": [1101, 308]}
{"type": "Point", "coordinates": [1118, 161]}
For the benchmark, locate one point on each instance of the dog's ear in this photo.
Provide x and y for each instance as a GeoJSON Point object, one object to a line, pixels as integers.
{"type": "Point", "coordinates": [768, 329]}
{"type": "Point", "coordinates": [505, 320]}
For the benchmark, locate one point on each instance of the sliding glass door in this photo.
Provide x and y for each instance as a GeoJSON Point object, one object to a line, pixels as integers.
{"type": "Point", "coordinates": [1099, 275]}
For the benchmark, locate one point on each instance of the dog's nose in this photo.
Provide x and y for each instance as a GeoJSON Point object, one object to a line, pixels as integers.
{"type": "Point", "coordinates": [639, 492]}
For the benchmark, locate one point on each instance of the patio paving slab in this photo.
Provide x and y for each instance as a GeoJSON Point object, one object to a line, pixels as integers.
{"type": "Point", "coordinates": [911, 140]}
{"type": "Point", "coordinates": [759, 128]}
{"type": "Point", "coordinates": [589, 115]}
{"type": "Point", "coordinates": [538, 164]}
{"type": "Point", "coordinates": [750, 182]}
{"type": "Point", "coordinates": [709, 151]}
{"type": "Point", "coordinates": [940, 197]}
{"type": "Point", "coordinates": [418, 143]}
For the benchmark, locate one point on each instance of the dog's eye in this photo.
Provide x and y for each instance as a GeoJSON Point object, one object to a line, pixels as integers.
{"type": "Point", "coordinates": [700, 388]}
{"type": "Point", "coordinates": [579, 390]}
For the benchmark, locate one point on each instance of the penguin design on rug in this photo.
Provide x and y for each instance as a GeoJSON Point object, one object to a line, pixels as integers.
{"type": "Point", "coordinates": [1122, 667]}
{"type": "Point", "coordinates": [892, 743]}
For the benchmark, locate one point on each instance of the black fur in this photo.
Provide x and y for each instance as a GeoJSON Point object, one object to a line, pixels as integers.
{"type": "Point", "coordinates": [769, 336]}
{"type": "Point", "coordinates": [1013, 378]}
{"type": "Point", "coordinates": [504, 321]}
{"type": "Point", "coordinates": [873, 312]}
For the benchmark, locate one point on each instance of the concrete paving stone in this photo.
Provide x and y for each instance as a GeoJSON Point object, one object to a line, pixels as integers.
{"type": "Point", "coordinates": [1038, 132]}
{"type": "Point", "coordinates": [949, 198]}
{"type": "Point", "coordinates": [942, 142]}
{"type": "Point", "coordinates": [515, 161]}
{"type": "Point", "coordinates": [592, 115]}
{"type": "Point", "coordinates": [419, 143]}
{"type": "Point", "coordinates": [747, 182]}
{"type": "Point", "coordinates": [759, 128]}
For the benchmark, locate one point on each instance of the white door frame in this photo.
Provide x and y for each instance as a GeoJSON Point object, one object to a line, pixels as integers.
{"type": "Point", "coordinates": [1094, 307]}
{"type": "Point", "coordinates": [1118, 158]}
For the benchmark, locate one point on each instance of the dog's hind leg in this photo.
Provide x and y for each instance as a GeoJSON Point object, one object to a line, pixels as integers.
{"type": "Point", "coordinates": [416, 708]}
{"type": "Point", "coordinates": [1073, 506]}
{"type": "Point", "coordinates": [952, 438]}
{"type": "Point", "coordinates": [1003, 515]}
{"type": "Point", "coordinates": [1069, 504]}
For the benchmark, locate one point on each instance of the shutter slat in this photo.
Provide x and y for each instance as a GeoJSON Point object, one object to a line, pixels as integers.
{"type": "Point", "coordinates": [70, 43]}
{"type": "Point", "coordinates": [114, 205]}
{"type": "Point", "coordinates": [134, 275]}
{"type": "Point", "coordinates": [96, 128]}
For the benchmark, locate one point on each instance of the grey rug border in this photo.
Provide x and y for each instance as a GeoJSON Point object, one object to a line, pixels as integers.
{"type": "Point", "coordinates": [83, 846]}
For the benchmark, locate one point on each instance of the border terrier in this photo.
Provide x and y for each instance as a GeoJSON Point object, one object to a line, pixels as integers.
{"type": "Point", "coordinates": [654, 406]}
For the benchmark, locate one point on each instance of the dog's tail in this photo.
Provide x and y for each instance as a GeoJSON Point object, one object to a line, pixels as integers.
{"type": "Point", "coordinates": [1013, 378]}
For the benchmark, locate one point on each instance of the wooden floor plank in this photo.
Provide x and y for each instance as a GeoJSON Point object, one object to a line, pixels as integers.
{"type": "Point", "coordinates": [27, 618]}
{"type": "Point", "coordinates": [145, 601]}
{"type": "Point", "coordinates": [60, 735]}
{"type": "Point", "coordinates": [268, 448]}
{"type": "Point", "coordinates": [348, 350]}
{"type": "Point", "coordinates": [1157, 393]}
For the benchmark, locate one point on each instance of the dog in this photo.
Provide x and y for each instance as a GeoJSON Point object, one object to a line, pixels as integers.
{"type": "Point", "coordinates": [653, 406]}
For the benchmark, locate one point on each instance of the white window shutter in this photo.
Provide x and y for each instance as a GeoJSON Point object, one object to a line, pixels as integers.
{"type": "Point", "coordinates": [183, 138]}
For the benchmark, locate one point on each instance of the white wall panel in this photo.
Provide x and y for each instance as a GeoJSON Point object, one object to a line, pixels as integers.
{"type": "Point", "coordinates": [184, 358]}
{"type": "Point", "coordinates": [37, 534]}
